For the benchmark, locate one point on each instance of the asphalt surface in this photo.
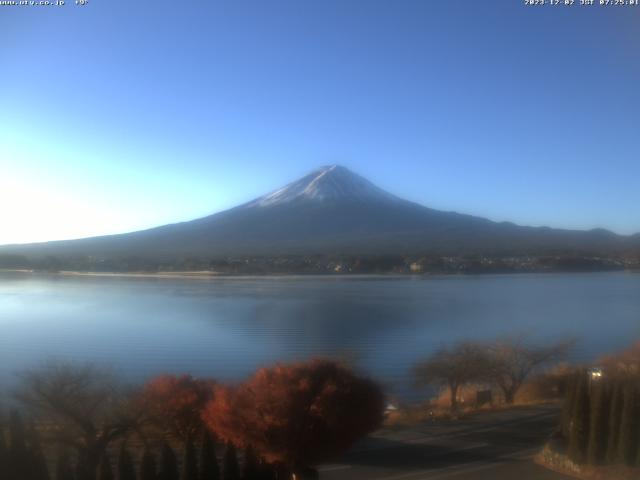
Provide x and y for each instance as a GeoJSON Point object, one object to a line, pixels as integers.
{"type": "Point", "coordinates": [490, 445]}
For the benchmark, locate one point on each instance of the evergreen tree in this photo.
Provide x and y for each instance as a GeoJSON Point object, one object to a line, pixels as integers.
{"type": "Point", "coordinates": [251, 466]}
{"type": "Point", "coordinates": [126, 469]}
{"type": "Point", "coordinates": [209, 468]}
{"type": "Point", "coordinates": [4, 455]}
{"type": "Point", "coordinates": [598, 430]}
{"type": "Point", "coordinates": [64, 471]}
{"type": "Point", "coordinates": [148, 469]}
{"type": "Point", "coordinates": [231, 470]}
{"type": "Point", "coordinates": [567, 409]}
{"type": "Point", "coordinates": [104, 469]}
{"type": "Point", "coordinates": [579, 427]}
{"type": "Point", "coordinates": [266, 471]}
{"type": "Point", "coordinates": [627, 445]}
{"type": "Point", "coordinates": [168, 464]}
{"type": "Point", "coordinates": [38, 469]}
{"type": "Point", "coordinates": [84, 471]}
{"type": "Point", "coordinates": [189, 462]}
{"type": "Point", "coordinates": [615, 413]}
{"type": "Point", "coordinates": [19, 466]}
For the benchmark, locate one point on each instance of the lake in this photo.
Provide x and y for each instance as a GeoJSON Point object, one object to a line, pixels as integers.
{"type": "Point", "coordinates": [226, 327]}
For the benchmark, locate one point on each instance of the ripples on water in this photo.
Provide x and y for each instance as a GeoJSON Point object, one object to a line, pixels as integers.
{"type": "Point", "coordinates": [228, 327]}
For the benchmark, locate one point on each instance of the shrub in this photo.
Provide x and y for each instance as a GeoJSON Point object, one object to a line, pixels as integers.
{"type": "Point", "coordinates": [174, 403]}
{"type": "Point", "coordinates": [299, 414]}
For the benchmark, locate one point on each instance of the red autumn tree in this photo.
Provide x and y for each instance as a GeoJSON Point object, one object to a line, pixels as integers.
{"type": "Point", "coordinates": [175, 403]}
{"type": "Point", "coordinates": [299, 414]}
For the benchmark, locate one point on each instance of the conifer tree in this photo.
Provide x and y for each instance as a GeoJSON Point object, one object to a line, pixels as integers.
{"type": "Point", "coordinates": [38, 469]}
{"type": "Point", "coordinates": [627, 446]}
{"type": "Point", "coordinates": [615, 413]}
{"type": "Point", "coordinates": [251, 465]}
{"type": "Point", "coordinates": [266, 471]}
{"type": "Point", "coordinates": [567, 409]}
{"type": "Point", "coordinates": [168, 464]}
{"type": "Point", "coordinates": [148, 470]}
{"type": "Point", "coordinates": [189, 462]}
{"type": "Point", "coordinates": [104, 468]}
{"type": "Point", "coordinates": [84, 471]}
{"type": "Point", "coordinates": [64, 471]}
{"type": "Point", "coordinates": [231, 469]}
{"type": "Point", "coordinates": [126, 469]}
{"type": "Point", "coordinates": [18, 458]}
{"type": "Point", "coordinates": [598, 430]}
{"type": "Point", "coordinates": [3, 453]}
{"type": "Point", "coordinates": [209, 468]}
{"type": "Point", "coordinates": [579, 428]}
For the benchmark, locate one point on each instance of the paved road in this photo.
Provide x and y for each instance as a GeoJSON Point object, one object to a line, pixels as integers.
{"type": "Point", "coordinates": [491, 445]}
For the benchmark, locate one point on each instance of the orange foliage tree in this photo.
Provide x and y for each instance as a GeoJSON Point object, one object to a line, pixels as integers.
{"type": "Point", "coordinates": [175, 403]}
{"type": "Point", "coordinates": [299, 414]}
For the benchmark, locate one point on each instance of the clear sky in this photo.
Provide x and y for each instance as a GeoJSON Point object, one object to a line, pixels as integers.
{"type": "Point", "coordinates": [122, 114]}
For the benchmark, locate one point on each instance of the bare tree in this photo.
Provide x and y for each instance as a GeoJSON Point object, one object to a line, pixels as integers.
{"type": "Point", "coordinates": [512, 360]}
{"type": "Point", "coordinates": [453, 367]}
{"type": "Point", "coordinates": [82, 406]}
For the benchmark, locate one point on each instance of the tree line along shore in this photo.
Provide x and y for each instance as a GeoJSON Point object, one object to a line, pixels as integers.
{"type": "Point", "coordinates": [324, 264]}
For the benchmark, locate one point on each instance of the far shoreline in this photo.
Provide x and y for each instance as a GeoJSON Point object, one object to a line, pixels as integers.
{"type": "Point", "coordinates": [208, 275]}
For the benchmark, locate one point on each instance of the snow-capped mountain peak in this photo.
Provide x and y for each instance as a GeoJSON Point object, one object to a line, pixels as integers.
{"type": "Point", "coordinates": [328, 183]}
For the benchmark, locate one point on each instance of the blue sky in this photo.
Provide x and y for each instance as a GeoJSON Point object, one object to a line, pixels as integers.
{"type": "Point", "coordinates": [123, 115]}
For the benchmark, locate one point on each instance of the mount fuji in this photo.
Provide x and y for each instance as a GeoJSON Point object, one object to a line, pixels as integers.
{"type": "Point", "coordinates": [332, 210]}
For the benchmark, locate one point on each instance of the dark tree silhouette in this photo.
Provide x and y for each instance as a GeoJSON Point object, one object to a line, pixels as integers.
{"type": "Point", "coordinates": [579, 430]}
{"type": "Point", "coordinates": [64, 470]}
{"type": "Point", "coordinates": [4, 454]}
{"type": "Point", "coordinates": [300, 414]}
{"type": "Point", "coordinates": [453, 367]}
{"type": "Point", "coordinates": [168, 464]}
{"type": "Point", "coordinates": [267, 471]}
{"type": "Point", "coordinates": [230, 468]}
{"type": "Point", "coordinates": [569, 404]}
{"type": "Point", "coordinates": [104, 468]}
{"type": "Point", "coordinates": [627, 446]}
{"type": "Point", "coordinates": [599, 419]}
{"type": "Point", "coordinates": [19, 465]}
{"type": "Point", "coordinates": [148, 470]}
{"type": "Point", "coordinates": [189, 462]}
{"type": "Point", "coordinates": [615, 415]}
{"type": "Point", "coordinates": [85, 469]}
{"type": "Point", "coordinates": [209, 468]}
{"type": "Point", "coordinates": [251, 465]}
{"type": "Point", "coordinates": [126, 469]}
{"type": "Point", "coordinates": [86, 406]}
{"type": "Point", "coordinates": [175, 404]}
{"type": "Point", "coordinates": [38, 469]}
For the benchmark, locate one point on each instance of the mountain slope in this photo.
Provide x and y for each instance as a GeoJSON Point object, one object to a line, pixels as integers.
{"type": "Point", "coordinates": [335, 211]}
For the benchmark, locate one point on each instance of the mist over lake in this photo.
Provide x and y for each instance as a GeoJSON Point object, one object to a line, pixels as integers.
{"type": "Point", "coordinates": [227, 327]}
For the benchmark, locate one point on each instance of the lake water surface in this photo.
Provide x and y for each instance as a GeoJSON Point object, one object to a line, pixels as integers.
{"type": "Point", "coordinates": [226, 327]}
